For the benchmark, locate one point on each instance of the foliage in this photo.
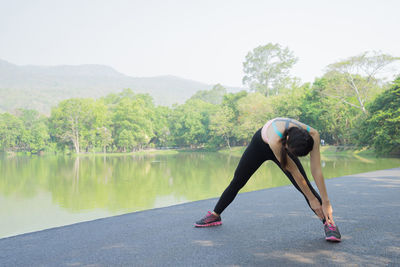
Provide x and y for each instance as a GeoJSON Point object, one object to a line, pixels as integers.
{"type": "Point", "coordinates": [36, 134]}
{"type": "Point", "coordinates": [24, 131]}
{"type": "Point", "coordinates": [11, 132]}
{"type": "Point", "coordinates": [222, 125]}
{"type": "Point", "coordinates": [213, 96]}
{"type": "Point", "coordinates": [189, 123]}
{"type": "Point", "coordinates": [127, 121]}
{"type": "Point", "coordinates": [267, 68]}
{"type": "Point", "coordinates": [381, 128]}
{"type": "Point", "coordinates": [133, 113]}
{"type": "Point", "coordinates": [71, 123]}
{"type": "Point", "coordinates": [161, 126]}
{"type": "Point", "coordinates": [355, 80]}
{"type": "Point", "coordinates": [330, 117]}
{"type": "Point", "coordinates": [254, 110]}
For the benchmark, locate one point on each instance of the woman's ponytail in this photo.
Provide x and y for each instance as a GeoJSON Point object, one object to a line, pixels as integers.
{"type": "Point", "coordinates": [283, 149]}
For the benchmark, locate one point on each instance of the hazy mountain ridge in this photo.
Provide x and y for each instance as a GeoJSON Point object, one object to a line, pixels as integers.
{"type": "Point", "coordinates": [40, 87]}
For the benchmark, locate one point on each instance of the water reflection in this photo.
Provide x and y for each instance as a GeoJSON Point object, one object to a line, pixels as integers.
{"type": "Point", "coordinates": [47, 191]}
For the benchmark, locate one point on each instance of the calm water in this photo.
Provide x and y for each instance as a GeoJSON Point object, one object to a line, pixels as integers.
{"type": "Point", "coordinates": [42, 192]}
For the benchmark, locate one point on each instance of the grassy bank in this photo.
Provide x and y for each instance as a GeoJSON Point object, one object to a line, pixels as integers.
{"type": "Point", "coordinates": [135, 153]}
{"type": "Point", "coordinates": [98, 154]}
{"type": "Point", "coordinates": [234, 151]}
{"type": "Point", "coordinates": [346, 151]}
{"type": "Point", "coordinates": [325, 151]}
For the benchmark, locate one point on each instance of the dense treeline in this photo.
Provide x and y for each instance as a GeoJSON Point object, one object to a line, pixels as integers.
{"type": "Point", "coordinates": [124, 122]}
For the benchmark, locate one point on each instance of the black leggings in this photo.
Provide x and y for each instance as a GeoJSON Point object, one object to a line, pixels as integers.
{"type": "Point", "coordinates": [255, 154]}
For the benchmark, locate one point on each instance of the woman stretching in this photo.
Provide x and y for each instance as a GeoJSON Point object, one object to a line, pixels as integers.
{"type": "Point", "coordinates": [282, 140]}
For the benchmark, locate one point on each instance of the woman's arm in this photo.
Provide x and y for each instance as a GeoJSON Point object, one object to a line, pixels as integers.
{"type": "Point", "coordinates": [301, 182]}
{"type": "Point", "coordinates": [299, 179]}
{"type": "Point", "coordinates": [316, 171]}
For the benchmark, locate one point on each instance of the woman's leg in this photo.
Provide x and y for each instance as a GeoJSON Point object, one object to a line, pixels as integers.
{"type": "Point", "coordinates": [254, 155]}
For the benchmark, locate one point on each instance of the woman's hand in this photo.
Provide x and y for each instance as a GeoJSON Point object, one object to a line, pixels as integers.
{"type": "Point", "coordinates": [317, 208]}
{"type": "Point", "coordinates": [327, 209]}
{"type": "Point", "coordinates": [323, 211]}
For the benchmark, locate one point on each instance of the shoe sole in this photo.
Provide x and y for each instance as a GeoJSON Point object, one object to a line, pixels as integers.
{"type": "Point", "coordinates": [332, 239]}
{"type": "Point", "coordinates": [208, 224]}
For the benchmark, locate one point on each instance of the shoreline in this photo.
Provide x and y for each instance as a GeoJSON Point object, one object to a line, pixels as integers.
{"type": "Point", "coordinates": [236, 151]}
{"type": "Point", "coordinates": [325, 151]}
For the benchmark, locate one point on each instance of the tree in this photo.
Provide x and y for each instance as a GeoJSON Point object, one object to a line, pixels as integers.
{"type": "Point", "coordinates": [267, 68]}
{"type": "Point", "coordinates": [104, 137]}
{"type": "Point", "coordinates": [381, 128]}
{"type": "Point", "coordinates": [101, 130]}
{"type": "Point", "coordinates": [189, 123]}
{"type": "Point", "coordinates": [355, 80]}
{"type": "Point", "coordinates": [221, 124]}
{"type": "Point", "coordinates": [288, 105]}
{"type": "Point", "coordinates": [36, 133]}
{"type": "Point", "coordinates": [126, 140]}
{"type": "Point", "coordinates": [134, 113]}
{"type": "Point", "coordinates": [11, 132]}
{"type": "Point", "coordinates": [254, 110]}
{"type": "Point", "coordinates": [213, 96]}
{"type": "Point", "coordinates": [333, 119]}
{"type": "Point", "coordinates": [160, 126]}
{"type": "Point", "coordinates": [71, 122]}
{"type": "Point", "coordinates": [230, 102]}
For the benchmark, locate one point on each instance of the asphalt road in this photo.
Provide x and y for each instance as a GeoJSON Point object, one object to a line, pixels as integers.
{"type": "Point", "coordinates": [271, 227]}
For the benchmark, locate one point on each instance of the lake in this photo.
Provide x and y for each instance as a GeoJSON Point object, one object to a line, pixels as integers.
{"type": "Point", "coordinates": [42, 192]}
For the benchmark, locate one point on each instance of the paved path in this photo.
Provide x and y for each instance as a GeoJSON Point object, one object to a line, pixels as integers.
{"type": "Point", "coordinates": [271, 227]}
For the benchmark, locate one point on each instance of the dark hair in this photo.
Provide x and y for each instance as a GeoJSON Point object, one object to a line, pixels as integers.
{"type": "Point", "coordinates": [299, 143]}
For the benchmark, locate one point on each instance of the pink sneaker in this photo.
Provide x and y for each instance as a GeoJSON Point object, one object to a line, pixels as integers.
{"type": "Point", "coordinates": [332, 233]}
{"type": "Point", "coordinates": [209, 220]}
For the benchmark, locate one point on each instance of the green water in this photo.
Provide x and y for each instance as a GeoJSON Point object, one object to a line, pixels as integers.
{"type": "Point", "coordinates": [43, 192]}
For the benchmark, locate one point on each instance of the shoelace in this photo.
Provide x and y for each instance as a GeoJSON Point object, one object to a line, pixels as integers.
{"type": "Point", "coordinates": [209, 214]}
{"type": "Point", "coordinates": [332, 227]}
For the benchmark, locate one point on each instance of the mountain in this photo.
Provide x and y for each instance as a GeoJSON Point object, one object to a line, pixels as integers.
{"type": "Point", "coordinates": [41, 87]}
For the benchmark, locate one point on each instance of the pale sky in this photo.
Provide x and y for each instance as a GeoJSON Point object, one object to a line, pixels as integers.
{"type": "Point", "coordinates": [202, 40]}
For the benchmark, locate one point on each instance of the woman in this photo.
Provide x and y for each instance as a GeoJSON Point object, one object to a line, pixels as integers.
{"type": "Point", "coordinates": [282, 140]}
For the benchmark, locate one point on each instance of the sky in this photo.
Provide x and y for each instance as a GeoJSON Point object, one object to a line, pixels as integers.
{"type": "Point", "coordinates": [205, 41]}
